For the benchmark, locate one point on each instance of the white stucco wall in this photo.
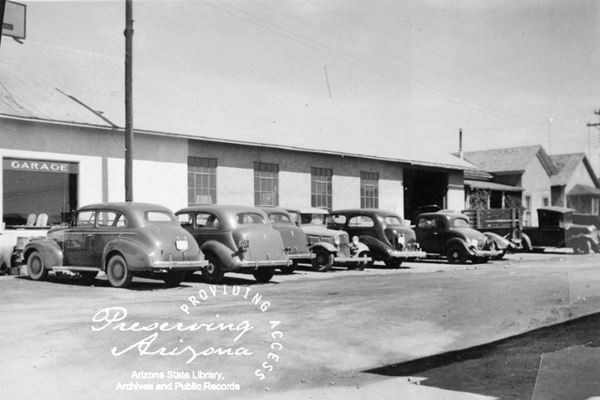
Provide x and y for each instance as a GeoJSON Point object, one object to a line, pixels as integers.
{"type": "Point", "coordinates": [536, 183]}
{"type": "Point", "coordinates": [235, 185]}
{"type": "Point", "coordinates": [294, 189]}
{"type": "Point", "coordinates": [346, 191]}
{"type": "Point", "coordinates": [391, 196]}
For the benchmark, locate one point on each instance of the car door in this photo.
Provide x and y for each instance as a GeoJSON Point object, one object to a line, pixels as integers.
{"type": "Point", "coordinates": [109, 225]}
{"type": "Point", "coordinates": [428, 234]}
{"type": "Point", "coordinates": [78, 238]}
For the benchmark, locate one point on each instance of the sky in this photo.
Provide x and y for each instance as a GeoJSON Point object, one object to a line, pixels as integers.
{"type": "Point", "coordinates": [508, 73]}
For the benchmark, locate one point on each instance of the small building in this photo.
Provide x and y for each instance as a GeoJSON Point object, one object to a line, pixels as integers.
{"type": "Point", "coordinates": [520, 176]}
{"type": "Point", "coordinates": [575, 185]}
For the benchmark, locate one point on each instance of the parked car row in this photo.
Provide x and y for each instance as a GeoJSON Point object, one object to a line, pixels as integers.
{"type": "Point", "coordinates": [139, 239]}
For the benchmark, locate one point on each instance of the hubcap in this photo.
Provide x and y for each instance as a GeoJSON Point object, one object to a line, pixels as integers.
{"type": "Point", "coordinates": [118, 270]}
{"type": "Point", "coordinates": [210, 268]}
{"type": "Point", "coordinates": [36, 265]}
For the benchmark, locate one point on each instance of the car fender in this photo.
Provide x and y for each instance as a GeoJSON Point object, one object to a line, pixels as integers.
{"type": "Point", "coordinates": [323, 245]}
{"type": "Point", "coordinates": [49, 250]}
{"type": "Point", "coordinates": [136, 256]}
{"type": "Point", "coordinates": [461, 242]}
{"type": "Point", "coordinates": [501, 242]}
{"type": "Point", "coordinates": [572, 241]}
{"type": "Point", "coordinates": [219, 250]}
{"type": "Point", "coordinates": [360, 247]}
{"type": "Point", "coordinates": [378, 249]}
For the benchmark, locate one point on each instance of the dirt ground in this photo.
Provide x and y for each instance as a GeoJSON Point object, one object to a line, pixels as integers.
{"type": "Point", "coordinates": [306, 335]}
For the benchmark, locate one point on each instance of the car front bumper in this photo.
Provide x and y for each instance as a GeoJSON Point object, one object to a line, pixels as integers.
{"type": "Point", "coordinates": [407, 254]}
{"type": "Point", "coordinates": [485, 253]}
{"type": "Point", "coordinates": [302, 256]}
{"type": "Point", "coordinates": [353, 260]}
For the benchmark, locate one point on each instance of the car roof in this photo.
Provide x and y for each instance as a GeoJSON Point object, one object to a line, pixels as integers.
{"type": "Point", "coordinates": [269, 209]}
{"type": "Point", "coordinates": [222, 209]}
{"type": "Point", "coordinates": [367, 211]}
{"type": "Point", "coordinates": [313, 210]}
{"type": "Point", "coordinates": [125, 206]}
{"type": "Point", "coordinates": [446, 214]}
{"type": "Point", "coordinates": [561, 210]}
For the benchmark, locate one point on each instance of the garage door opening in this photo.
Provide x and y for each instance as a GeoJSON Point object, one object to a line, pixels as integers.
{"type": "Point", "coordinates": [38, 187]}
{"type": "Point", "coordinates": [422, 188]}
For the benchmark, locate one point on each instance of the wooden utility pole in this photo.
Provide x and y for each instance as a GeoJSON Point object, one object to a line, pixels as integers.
{"type": "Point", "coordinates": [597, 112]}
{"type": "Point", "coordinates": [128, 100]}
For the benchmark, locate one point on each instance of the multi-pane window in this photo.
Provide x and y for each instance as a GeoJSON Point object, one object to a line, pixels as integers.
{"type": "Point", "coordinates": [369, 190]}
{"type": "Point", "coordinates": [321, 188]}
{"type": "Point", "coordinates": [266, 184]}
{"type": "Point", "coordinates": [202, 181]}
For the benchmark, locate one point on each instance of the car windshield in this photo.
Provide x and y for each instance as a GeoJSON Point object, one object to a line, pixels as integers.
{"type": "Point", "coordinates": [159, 216]}
{"type": "Point", "coordinates": [460, 223]}
{"type": "Point", "coordinates": [279, 218]}
{"type": "Point", "coordinates": [313, 219]}
{"type": "Point", "coordinates": [249, 218]}
{"type": "Point", "coordinates": [393, 220]}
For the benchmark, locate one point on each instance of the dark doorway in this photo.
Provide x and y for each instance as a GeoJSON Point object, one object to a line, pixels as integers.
{"type": "Point", "coordinates": [423, 187]}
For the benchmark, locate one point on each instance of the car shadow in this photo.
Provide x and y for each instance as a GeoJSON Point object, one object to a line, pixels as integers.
{"type": "Point", "coordinates": [141, 284]}
{"type": "Point", "coordinates": [506, 368]}
{"type": "Point", "coordinates": [229, 280]}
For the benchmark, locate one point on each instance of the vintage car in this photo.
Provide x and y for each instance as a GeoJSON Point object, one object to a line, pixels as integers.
{"type": "Point", "coordinates": [448, 234]}
{"type": "Point", "coordinates": [121, 239]}
{"type": "Point", "coordinates": [235, 239]}
{"type": "Point", "coordinates": [294, 238]}
{"type": "Point", "coordinates": [330, 246]}
{"type": "Point", "coordinates": [388, 238]}
{"type": "Point", "coordinates": [556, 229]}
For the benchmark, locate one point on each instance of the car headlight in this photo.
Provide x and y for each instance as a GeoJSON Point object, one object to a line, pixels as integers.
{"type": "Point", "coordinates": [336, 241]}
{"type": "Point", "coordinates": [355, 240]}
{"type": "Point", "coordinates": [401, 239]}
{"type": "Point", "coordinates": [474, 242]}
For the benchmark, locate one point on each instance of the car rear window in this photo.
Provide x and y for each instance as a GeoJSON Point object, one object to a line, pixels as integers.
{"type": "Point", "coordinates": [279, 218]}
{"type": "Point", "coordinates": [393, 220]}
{"type": "Point", "coordinates": [460, 223]}
{"type": "Point", "coordinates": [250, 218]}
{"type": "Point", "coordinates": [159, 216]}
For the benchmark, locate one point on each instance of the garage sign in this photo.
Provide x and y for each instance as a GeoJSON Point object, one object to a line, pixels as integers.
{"type": "Point", "coordinates": [16, 164]}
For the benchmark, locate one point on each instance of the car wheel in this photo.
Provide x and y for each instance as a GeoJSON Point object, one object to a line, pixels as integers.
{"type": "Point", "coordinates": [393, 263]}
{"type": "Point", "coordinates": [323, 260]}
{"type": "Point", "coordinates": [456, 254]}
{"type": "Point", "coordinates": [88, 276]}
{"type": "Point", "coordinates": [117, 272]}
{"type": "Point", "coordinates": [213, 272]}
{"type": "Point", "coordinates": [174, 278]}
{"type": "Point", "coordinates": [289, 269]}
{"type": "Point", "coordinates": [35, 267]}
{"type": "Point", "coordinates": [263, 275]}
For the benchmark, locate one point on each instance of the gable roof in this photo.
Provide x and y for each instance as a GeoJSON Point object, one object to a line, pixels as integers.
{"type": "Point", "coordinates": [512, 159]}
{"type": "Point", "coordinates": [567, 165]}
{"type": "Point", "coordinates": [49, 84]}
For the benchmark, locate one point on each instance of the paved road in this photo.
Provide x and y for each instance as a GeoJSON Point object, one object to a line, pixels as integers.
{"type": "Point", "coordinates": [308, 335]}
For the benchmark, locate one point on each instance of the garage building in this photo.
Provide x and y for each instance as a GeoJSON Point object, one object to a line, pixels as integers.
{"type": "Point", "coordinates": [197, 140]}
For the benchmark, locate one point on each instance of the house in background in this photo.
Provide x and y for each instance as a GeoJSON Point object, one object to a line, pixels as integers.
{"type": "Point", "coordinates": [575, 185]}
{"type": "Point", "coordinates": [520, 176]}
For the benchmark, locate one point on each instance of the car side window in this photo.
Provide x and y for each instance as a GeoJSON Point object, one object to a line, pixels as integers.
{"type": "Point", "coordinates": [427, 223]}
{"type": "Point", "coordinates": [110, 219]}
{"type": "Point", "coordinates": [85, 219]}
{"type": "Point", "coordinates": [207, 220]}
{"type": "Point", "coordinates": [185, 219]}
{"type": "Point", "coordinates": [361, 221]}
{"type": "Point", "coordinates": [336, 221]}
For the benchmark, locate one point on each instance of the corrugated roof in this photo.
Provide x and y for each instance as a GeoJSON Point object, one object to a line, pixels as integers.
{"type": "Point", "coordinates": [567, 165]}
{"type": "Point", "coordinates": [39, 82]}
{"type": "Point", "coordinates": [492, 186]}
{"type": "Point", "coordinates": [513, 159]}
